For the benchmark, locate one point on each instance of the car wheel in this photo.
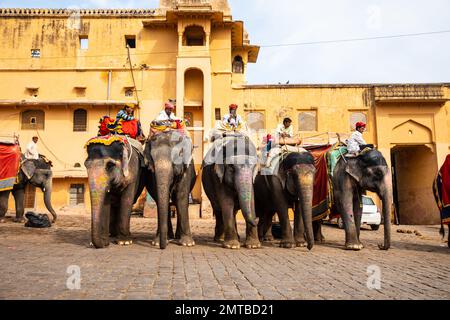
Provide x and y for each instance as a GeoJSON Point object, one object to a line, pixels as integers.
{"type": "Point", "coordinates": [340, 223]}
{"type": "Point", "coordinates": [375, 227]}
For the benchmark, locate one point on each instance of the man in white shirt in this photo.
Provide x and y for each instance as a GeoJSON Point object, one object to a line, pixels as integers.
{"type": "Point", "coordinates": [167, 114]}
{"type": "Point", "coordinates": [32, 149]}
{"type": "Point", "coordinates": [285, 129]}
{"type": "Point", "coordinates": [232, 119]}
{"type": "Point", "coordinates": [356, 140]}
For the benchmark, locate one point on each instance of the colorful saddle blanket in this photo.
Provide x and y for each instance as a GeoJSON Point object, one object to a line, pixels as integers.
{"type": "Point", "coordinates": [322, 189]}
{"type": "Point", "coordinates": [334, 155]}
{"type": "Point", "coordinates": [9, 165]}
{"type": "Point", "coordinates": [109, 125]}
{"type": "Point", "coordinates": [441, 188]}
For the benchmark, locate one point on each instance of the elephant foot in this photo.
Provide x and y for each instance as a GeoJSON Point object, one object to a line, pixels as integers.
{"type": "Point", "coordinates": [124, 242]}
{"type": "Point", "coordinates": [186, 241]}
{"type": "Point", "coordinates": [301, 243]}
{"type": "Point", "coordinates": [269, 238]}
{"type": "Point", "coordinates": [219, 239]}
{"type": "Point", "coordinates": [18, 220]}
{"type": "Point", "coordinates": [353, 246]}
{"type": "Point", "coordinates": [2, 220]}
{"type": "Point", "coordinates": [252, 244]}
{"type": "Point", "coordinates": [99, 245]}
{"type": "Point", "coordinates": [155, 243]}
{"type": "Point", "coordinates": [386, 247]}
{"type": "Point", "coordinates": [287, 244]}
{"type": "Point", "coordinates": [231, 244]}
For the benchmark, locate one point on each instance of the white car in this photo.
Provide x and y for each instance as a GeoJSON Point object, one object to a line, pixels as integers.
{"type": "Point", "coordinates": [370, 216]}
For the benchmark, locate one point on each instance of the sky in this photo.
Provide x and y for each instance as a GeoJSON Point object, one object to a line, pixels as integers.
{"type": "Point", "coordinates": [416, 59]}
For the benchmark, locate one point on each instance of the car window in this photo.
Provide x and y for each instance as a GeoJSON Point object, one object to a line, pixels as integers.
{"type": "Point", "coordinates": [367, 201]}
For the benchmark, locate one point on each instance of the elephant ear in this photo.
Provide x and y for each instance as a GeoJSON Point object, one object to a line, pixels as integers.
{"type": "Point", "coordinates": [354, 171]}
{"type": "Point", "coordinates": [28, 168]}
{"type": "Point", "coordinates": [219, 169]}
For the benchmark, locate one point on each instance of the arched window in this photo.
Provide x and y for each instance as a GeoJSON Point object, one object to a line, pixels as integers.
{"type": "Point", "coordinates": [238, 65]}
{"type": "Point", "coordinates": [194, 36]}
{"type": "Point", "coordinates": [256, 121]}
{"type": "Point", "coordinates": [357, 117]}
{"type": "Point", "coordinates": [33, 120]}
{"type": "Point", "coordinates": [79, 120]}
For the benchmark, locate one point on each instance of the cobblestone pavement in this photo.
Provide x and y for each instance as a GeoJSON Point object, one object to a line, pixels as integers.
{"type": "Point", "coordinates": [34, 264]}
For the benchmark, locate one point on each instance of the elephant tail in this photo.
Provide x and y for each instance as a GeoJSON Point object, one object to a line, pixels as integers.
{"type": "Point", "coordinates": [442, 231]}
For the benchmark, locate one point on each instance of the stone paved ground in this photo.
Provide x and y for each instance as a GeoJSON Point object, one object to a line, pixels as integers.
{"type": "Point", "coordinates": [33, 265]}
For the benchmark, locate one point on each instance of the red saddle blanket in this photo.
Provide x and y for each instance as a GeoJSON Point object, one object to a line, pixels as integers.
{"type": "Point", "coordinates": [9, 165]}
{"type": "Point", "coordinates": [109, 125]}
{"type": "Point", "coordinates": [320, 197]}
{"type": "Point", "coordinates": [441, 189]}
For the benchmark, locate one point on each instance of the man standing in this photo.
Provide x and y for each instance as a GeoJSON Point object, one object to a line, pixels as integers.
{"type": "Point", "coordinates": [356, 140]}
{"type": "Point", "coordinates": [32, 149]}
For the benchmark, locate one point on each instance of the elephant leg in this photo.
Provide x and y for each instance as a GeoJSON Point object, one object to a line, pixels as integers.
{"type": "Point", "coordinates": [183, 227]}
{"type": "Point", "coordinates": [299, 227]}
{"type": "Point", "coordinates": [231, 240]}
{"type": "Point", "coordinates": [287, 239]}
{"type": "Point", "coordinates": [346, 211]}
{"type": "Point", "coordinates": [235, 225]}
{"type": "Point", "coordinates": [219, 234]}
{"type": "Point", "coordinates": [317, 228]}
{"type": "Point", "coordinates": [448, 240]}
{"type": "Point", "coordinates": [113, 218]}
{"type": "Point", "coordinates": [4, 196]}
{"type": "Point", "coordinates": [124, 216]}
{"type": "Point", "coordinates": [19, 196]}
{"type": "Point", "coordinates": [170, 234]}
{"type": "Point", "coordinates": [267, 230]}
{"type": "Point", "coordinates": [357, 210]}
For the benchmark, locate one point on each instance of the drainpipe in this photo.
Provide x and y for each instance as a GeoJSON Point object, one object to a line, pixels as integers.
{"type": "Point", "coordinates": [109, 84]}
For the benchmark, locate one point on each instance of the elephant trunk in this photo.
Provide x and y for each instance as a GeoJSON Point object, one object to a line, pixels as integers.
{"type": "Point", "coordinates": [47, 189]}
{"type": "Point", "coordinates": [100, 208]}
{"type": "Point", "coordinates": [305, 189]}
{"type": "Point", "coordinates": [244, 188]}
{"type": "Point", "coordinates": [164, 177]}
{"type": "Point", "coordinates": [386, 199]}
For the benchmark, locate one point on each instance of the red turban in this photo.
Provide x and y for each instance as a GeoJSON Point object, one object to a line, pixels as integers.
{"type": "Point", "coordinates": [360, 125]}
{"type": "Point", "coordinates": [233, 106]}
{"type": "Point", "coordinates": [169, 105]}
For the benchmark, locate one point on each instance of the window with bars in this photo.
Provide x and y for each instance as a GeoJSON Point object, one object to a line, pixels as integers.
{"type": "Point", "coordinates": [218, 114]}
{"type": "Point", "coordinates": [80, 120]}
{"type": "Point", "coordinates": [33, 120]}
{"type": "Point", "coordinates": [76, 194]}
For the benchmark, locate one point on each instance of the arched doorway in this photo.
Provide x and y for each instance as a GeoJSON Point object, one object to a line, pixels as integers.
{"type": "Point", "coordinates": [194, 116]}
{"type": "Point", "coordinates": [413, 170]}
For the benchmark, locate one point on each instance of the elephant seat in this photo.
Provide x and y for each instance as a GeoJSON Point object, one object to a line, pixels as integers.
{"type": "Point", "coordinates": [9, 165]}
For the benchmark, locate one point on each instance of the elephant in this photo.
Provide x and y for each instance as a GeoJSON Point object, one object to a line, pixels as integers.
{"type": "Point", "coordinates": [38, 173]}
{"type": "Point", "coordinates": [116, 180]}
{"type": "Point", "coordinates": [171, 176]}
{"type": "Point", "coordinates": [351, 178]}
{"type": "Point", "coordinates": [441, 192]}
{"type": "Point", "coordinates": [229, 171]}
{"type": "Point", "coordinates": [289, 187]}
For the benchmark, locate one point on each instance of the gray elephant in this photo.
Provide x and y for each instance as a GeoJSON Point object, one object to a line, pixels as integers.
{"type": "Point", "coordinates": [290, 186]}
{"type": "Point", "coordinates": [229, 170]}
{"type": "Point", "coordinates": [38, 173]}
{"type": "Point", "coordinates": [351, 178]}
{"type": "Point", "coordinates": [114, 167]}
{"type": "Point", "coordinates": [171, 177]}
